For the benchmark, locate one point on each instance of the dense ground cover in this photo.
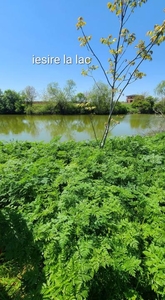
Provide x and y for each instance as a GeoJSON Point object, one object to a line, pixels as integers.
{"type": "Point", "coordinates": [79, 222]}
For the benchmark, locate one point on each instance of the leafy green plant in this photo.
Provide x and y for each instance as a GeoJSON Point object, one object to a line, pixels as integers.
{"type": "Point", "coordinates": [79, 222]}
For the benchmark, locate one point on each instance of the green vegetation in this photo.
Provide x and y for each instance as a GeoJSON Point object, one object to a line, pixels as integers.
{"type": "Point", "coordinates": [144, 105]}
{"type": "Point", "coordinates": [11, 102]}
{"type": "Point", "coordinates": [160, 106]}
{"type": "Point", "coordinates": [160, 91]}
{"type": "Point", "coordinates": [65, 101]}
{"type": "Point", "coordinates": [80, 222]}
{"type": "Point", "coordinates": [59, 101]}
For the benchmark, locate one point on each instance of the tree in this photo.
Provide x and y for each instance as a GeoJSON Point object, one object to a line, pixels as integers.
{"type": "Point", "coordinates": [100, 96]}
{"type": "Point", "coordinates": [1, 102]}
{"type": "Point", "coordinates": [80, 98]}
{"type": "Point", "coordinates": [159, 107]}
{"type": "Point", "coordinates": [12, 102]}
{"type": "Point", "coordinates": [57, 97]}
{"type": "Point", "coordinates": [30, 95]}
{"type": "Point", "coordinates": [160, 89]}
{"type": "Point", "coordinates": [53, 90]}
{"type": "Point", "coordinates": [121, 70]}
{"type": "Point", "coordinates": [69, 90]}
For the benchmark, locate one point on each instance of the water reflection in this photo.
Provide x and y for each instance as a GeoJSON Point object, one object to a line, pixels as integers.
{"type": "Point", "coordinates": [79, 127]}
{"type": "Point", "coordinates": [139, 121]}
{"type": "Point", "coordinates": [75, 127]}
{"type": "Point", "coordinates": [17, 124]}
{"type": "Point", "coordinates": [146, 122]}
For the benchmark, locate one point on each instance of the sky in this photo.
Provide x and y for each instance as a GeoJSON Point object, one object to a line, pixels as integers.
{"type": "Point", "coordinates": [46, 28]}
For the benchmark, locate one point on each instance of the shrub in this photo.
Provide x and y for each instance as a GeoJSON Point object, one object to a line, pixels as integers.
{"type": "Point", "coordinates": [79, 222]}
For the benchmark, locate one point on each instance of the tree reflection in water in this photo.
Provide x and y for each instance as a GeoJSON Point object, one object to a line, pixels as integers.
{"type": "Point", "coordinates": [75, 127]}
{"type": "Point", "coordinates": [16, 124]}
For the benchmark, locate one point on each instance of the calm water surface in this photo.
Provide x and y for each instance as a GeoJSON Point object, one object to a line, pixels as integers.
{"type": "Point", "coordinates": [79, 127]}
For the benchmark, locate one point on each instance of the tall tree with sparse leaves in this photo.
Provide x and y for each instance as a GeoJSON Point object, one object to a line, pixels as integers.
{"type": "Point", "coordinates": [30, 94]}
{"type": "Point", "coordinates": [160, 89]}
{"type": "Point", "coordinates": [122, 71]}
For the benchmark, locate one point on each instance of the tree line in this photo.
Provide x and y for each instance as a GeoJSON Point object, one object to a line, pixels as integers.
{"type": "Point", "coordinates": [66, 101]}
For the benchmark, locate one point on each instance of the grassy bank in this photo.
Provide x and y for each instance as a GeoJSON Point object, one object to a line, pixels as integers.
{"type": "Point", "coordinates": [77, 222]}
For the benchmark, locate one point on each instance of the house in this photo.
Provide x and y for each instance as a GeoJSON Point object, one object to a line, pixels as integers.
{"type": "Point", "coordinates": [130, 98]}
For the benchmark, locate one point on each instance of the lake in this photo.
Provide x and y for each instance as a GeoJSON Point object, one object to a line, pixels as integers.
{"type": "Point", "coordinates": [74, 127]}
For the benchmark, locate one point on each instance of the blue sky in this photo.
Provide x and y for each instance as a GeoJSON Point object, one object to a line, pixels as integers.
{"type": "Point", "coordinates": [47, 27]}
